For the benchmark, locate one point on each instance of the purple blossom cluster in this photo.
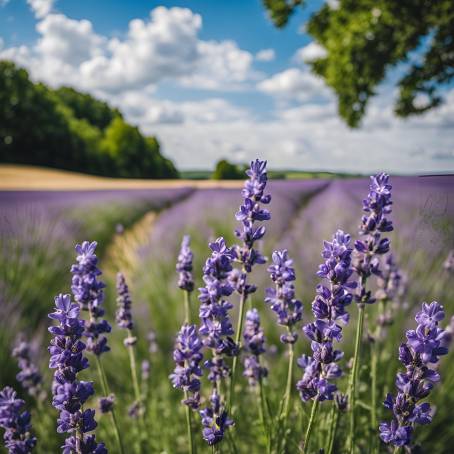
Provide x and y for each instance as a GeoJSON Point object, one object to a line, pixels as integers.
{"type": "Point", "coordinates": [17, 437]}
{"type": "Point", "coordinates": [215, 420]}
{"type": "Point", "coordinates": [248, 214]}
{"type": "Point", "coordinates": [216, 330]}
{"type": "Point", "coordinates": [216, 326]}
{"type": "Point", "coordinates": [289, 311]}
{"type": "Point", "coordinates": [254, 345]}
{"type": "Point", "coordinates": [184, 265]}
{"type": "Point", "coordinates": [123, 315]}
{"type": "Point", "coordinates": [328, 308]}
{"type": "Point", "coordinates": [88, 291]}
{"type": "Point", "coordinates": [377, 205]}
{"type": "Point", "coordinates": [187, 356]}
{"type": "Point", "coordinates": [390, 280]}
{"type": "Point", "coordinates": [70, 394]}
{"type": "Point", "coordinates": [29, 376]}
{"type": "Point", "coordinates": [423, 348]}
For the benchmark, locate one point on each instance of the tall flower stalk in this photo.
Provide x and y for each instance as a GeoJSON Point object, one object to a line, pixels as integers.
{"type": "Point", "coordinates": [376, 206]}
{"type": "Point", "coordinates": [70, 394]}
{"type": "Point", "coordinates": [216, 330]}
{"type": "Point", "coordinates": [247, 255]}
{"type": "Point", "coordinates": [329, 311]}
{"type": "Point", "coordinates": [185, 279]}
{"type": "Point", "coordinates": [187, 354]}
{"type": "Point", "coordinates": [289, 312]}
{"type": "Point", "coordinates": [422, 349]}
{"type": "Point", "coordinates": [88, 291]}
{"type": "Point", "coordinates": [18, 437]}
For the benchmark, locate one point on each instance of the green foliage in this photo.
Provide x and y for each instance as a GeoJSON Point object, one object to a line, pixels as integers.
{"type": "Point", "coordinates": [227, 171]}
{"type": "Point", "coordinates": [70, 130]}
{"type": "Point", "coordinates": [365, 38]}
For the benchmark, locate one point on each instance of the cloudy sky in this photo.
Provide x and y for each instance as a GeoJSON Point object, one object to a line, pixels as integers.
{"type": "Point", "coordinates": [215, 79]}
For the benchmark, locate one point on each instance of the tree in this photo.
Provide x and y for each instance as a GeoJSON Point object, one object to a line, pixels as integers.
{"type": "Point", "coordinates": [363, 39]}
{"type": "Point", "coordinates": [225, 170]}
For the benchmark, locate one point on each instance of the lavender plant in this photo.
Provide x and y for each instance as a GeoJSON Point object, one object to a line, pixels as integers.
{"type": "Point", "coordinates": [422, 349]}
{"type": "Point", "coordinates": [216, 330]}
{"type": "Point", "coordinates": [289, 312]}
{"type": "Point", "coordinates": [18, 437]}
{"type": "Point", "coordinates": [376, 206]}
{"type": "Point", "coordinates": [247, 255]}
{"type": "Point", "coordinates": [329, 311]}
{"type": "Point", "coordinates": [69, 393]}
{"type": "Point", "coordinates": [88, 291]}
{"type": "Point", "coordinates": [29, 376]}
{"type": "Point", "coordinates": [187, 354]}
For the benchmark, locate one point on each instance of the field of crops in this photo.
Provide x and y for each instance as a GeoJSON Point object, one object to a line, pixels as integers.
{"type": "Point", "coordinates": [139, 233]}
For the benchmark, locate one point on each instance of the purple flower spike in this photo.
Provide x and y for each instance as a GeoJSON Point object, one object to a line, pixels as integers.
{"type": "Point", "coordinates": [18, 438]}
{"type": "Point", "coordinates": [187, 356]}
{"type": "Point", "coordinates": [29, 376]}
{"type": "Point", "coordinates": [374, 222]}
{"type": "Point", "coordinates": [249, 213]}
{"type": "Point", "coordinates": [328, 308]}
{"type": "Point", "coordinates": [289, 311]}
{"type": "Point", "coordinates": [214, 420]}
{"type": "Point", "coordinates": [123, 316]}
{"type": "Point", "coordinates": [89, 293]}
{"type": "Point", "coordinates": [184, 265]}
{"type": "Point", "coordinates": [70, 394]}
{"type": "Point", "coordinates": [424, 346]}
{"type": "Point", "coordinates": [254, 345]}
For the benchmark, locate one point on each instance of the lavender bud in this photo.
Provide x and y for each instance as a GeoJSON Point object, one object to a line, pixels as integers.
{"type": "Point", "coordinates": [184, 266]}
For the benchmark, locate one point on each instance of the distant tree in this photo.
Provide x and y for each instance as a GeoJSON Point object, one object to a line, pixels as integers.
{"type": "Point", "coordinates": [67, 129]}
{"type": "Point", "coordinates": [85, 107]}
{"type": "Point", "coordinates": [365, 38]}
{"type": "Point", "coordinates": [225, 170]}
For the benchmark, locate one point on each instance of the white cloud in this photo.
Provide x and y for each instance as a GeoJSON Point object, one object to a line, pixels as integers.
{"type": "Point", "coordinates": [221, 66]}
{"type": "Point", "coordinates": [293, 83]}
{"type": "Point", "coordinates": [309, 53]}
{"type": "Point", "coordinates": [3, 2]}
{"type": "Point", "coordinates": [41, 8]}
{"type": "Point", "coordinates": [265, 55]}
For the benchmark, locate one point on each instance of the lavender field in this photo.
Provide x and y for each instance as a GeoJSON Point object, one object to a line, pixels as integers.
{"type": "Point", "coordinates": [272, 378]}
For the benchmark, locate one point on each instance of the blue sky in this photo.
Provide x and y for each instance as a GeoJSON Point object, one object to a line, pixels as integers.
{"type": "Point", "coordinates": [216, 79]}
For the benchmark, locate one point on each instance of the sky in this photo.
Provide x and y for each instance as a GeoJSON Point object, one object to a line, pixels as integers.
{"type": "Point", "coordinates": [215, 79]}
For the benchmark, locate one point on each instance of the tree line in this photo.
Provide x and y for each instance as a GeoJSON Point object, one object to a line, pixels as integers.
{"type": "Point", "coordinates": [70, 130]}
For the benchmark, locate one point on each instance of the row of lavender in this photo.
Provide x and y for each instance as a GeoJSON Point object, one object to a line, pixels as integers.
{"type": "Point", "coordinates": [214, 337]}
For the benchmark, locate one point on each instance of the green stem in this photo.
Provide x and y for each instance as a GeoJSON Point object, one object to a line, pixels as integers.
{"type": "Point", "coordinates": [191, 449]}
{"type": "Point", "coordinates": [373, 371]}
{"type": "Point", "coordinates": [187, 307]}
{"type": "Point", "coordinates": [354, 375]}
{"type": "Point", "coordinates": [132, 362]}
{"type": "Point", "coordinates": [288, 388]}
{"type": "Point", "coordinates": [333, 429]}
{"type": "Point", "coordinates": [238, 333]}
{"type": "Point", "coordinates": [263, 414]}
{"type": "Point", "coordinates": [310, 425]}
{"type": "Point", "coordinates": [106, 392]}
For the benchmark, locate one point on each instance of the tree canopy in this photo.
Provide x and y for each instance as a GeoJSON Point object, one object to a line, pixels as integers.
{"type": "Point", "coordinates": [67, 129]}
{"type": "Point", "coordinates": [225, 170]}
{"type": "Point", "coordinates": [363, 39]}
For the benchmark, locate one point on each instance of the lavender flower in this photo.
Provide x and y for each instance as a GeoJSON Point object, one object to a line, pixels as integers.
{"type": "Point", "coordinates": [184, 265]}
{"type": "Point", "coordinates": [18, 437]}
{"type": "Point", "coordinates": [70, 394]}
{"type": "Point", "coordinates": [254, 345]}
{"type": "Point", "coordinates": [216, 329]}
{"type": "Point", "coordinates": [423, 347]}
{"type": "Point", "coordinates": [215, 420]}
{"type": "Point", "coordinates": [250, 212]}
{"type": "Point", "coordinates": [187, 356]}
{"type": "Point", "coordinates": [328, 308]}
{"type": "Point", "coordinates": [373, 223]}
{"type": "Point", "coordinates": [281, 299]}
{"type": "Point", "coordinates": [29, 376]}
{"type": "Point", "coordinates": [89, 293]}
{"type": "Point", "coordinates": [123, 316]}
{"type": "Point", "coordinates": [152, 343]}
{"type": "Point", "coordinates": [106, 404]}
